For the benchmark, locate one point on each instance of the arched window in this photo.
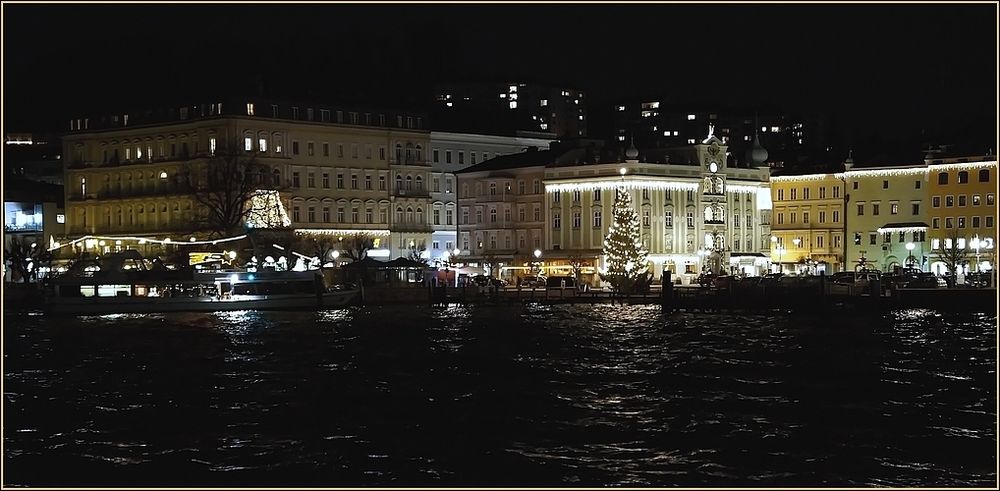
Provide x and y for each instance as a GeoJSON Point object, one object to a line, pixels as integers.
{"type": "Point", "coordinates": [399, 182]}
{"type": "Point", "coordinates": [963, 177]}
{"type": "Point", "coordinates": [409, 151]}
{"type": "Point", "coordinates": [420, 215]}
{"type": "Point", "coordinates": [943, 178]}
{"type": "Point", "coordinates": [409, 182]}
{"type": "Point", "coordinates": [399, 152]}
{"type": "Point", "coordinates": [276, 177]}
{"type": "Point", "coordinates": [984, 175]}
{"type": "Point", "coordinates": [493, 189]}
{"type": "Point", "coordinates": [409, 214]}
{"type": "Point", "coordinates": [420, 183]}
{"type": "Point", "coordinates": [419, 153]}
{"type": "Point", "coordinates": [399, 214]}
{"type": "Point", "coordinates": [493, 216]}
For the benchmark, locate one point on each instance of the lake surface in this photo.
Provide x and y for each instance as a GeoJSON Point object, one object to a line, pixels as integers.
{"type": "Point", "coordinates": [501, 395]}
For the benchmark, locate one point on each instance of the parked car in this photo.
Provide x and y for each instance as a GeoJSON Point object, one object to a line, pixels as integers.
{"type": "Point", "coordinates": [771, 279]}
{"type": "Point", "coordinates": [483, 280]}
{"type": "Point", "coordinates": [926, 280]}
{"type": "Point", "coordinates": [978, 280]}
{"type": "Point", "coordinates": [533, 281]}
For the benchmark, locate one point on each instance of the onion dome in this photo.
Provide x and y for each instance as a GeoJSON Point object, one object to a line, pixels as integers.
{"type": "Point", "coordinates": [757, 155]}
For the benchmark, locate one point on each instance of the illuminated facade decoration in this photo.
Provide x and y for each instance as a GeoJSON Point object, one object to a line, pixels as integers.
{"type": "Point", "coordinates": [267, 211]}
{"type": "Point", "coordinates": [962, 195]}
{"type": "Point", "coordinates": [810, 208]}
{"type": "Point", "coordinates": [624, 254]}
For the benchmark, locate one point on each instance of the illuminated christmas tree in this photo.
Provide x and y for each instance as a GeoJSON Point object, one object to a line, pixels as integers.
{"type": "Point", "coordinates": [626, 258]}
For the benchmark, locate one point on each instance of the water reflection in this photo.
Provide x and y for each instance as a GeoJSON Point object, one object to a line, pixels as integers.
{"type": "Point", "coordinates": [538, 394]}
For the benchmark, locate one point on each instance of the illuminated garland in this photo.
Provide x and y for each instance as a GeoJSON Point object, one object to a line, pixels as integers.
{"type": "Point", "coordinates": [144, 240]}
{"type": "Point", "coordinates": [741, 188]}
{"type": "Point", "coordinates": [337, 231]}
{"type": "Point", "coordinates": [901, 171]}
{"type": "Point", "coordinates": [806, 177]}
{"type": "Point", "coordinates": [902, 229]}
{"type": "Point", "coordinates": [621, 184]}
{"type": "Point", "coordinates": [964, 165]}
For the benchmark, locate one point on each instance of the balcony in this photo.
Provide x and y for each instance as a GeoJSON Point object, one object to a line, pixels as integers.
{"type": "Point", "coordinates": [410, 162]}
{"type": "Point", "coordinates": [497, 198]}
{"type": "Point", "coordinates": [410, 227]}
{"type": "Point", "coordinates": [715, 222]}
{"type": "Point", "coordinates": [411, 193]}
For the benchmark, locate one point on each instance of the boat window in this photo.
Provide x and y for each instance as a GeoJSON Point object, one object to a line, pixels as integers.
{"type": "Point", "coordinates": [245, 289]}
{"type": "Point", "coordinates": [114, 290]}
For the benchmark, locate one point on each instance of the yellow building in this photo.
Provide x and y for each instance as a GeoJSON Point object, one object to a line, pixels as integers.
{"type": "Point", "coordinates": [963, 210]}
{"type": "Point", "coordinates": [887, 211]}
{"type": "Point", "coordinates": [807, 226]}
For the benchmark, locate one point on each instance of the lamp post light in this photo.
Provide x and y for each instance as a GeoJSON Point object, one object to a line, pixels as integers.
{"type": "Point", "coordinates": [796, 241]}
{"type": "Point", "coordinates": [975, 243]}
{"type": "Point", "coordinates": [774, 246]}
{"type": "Point", "coordinates": [910, 260]}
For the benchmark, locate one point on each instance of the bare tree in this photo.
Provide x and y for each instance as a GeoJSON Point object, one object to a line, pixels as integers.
{"type": "Point", "coordinates": [416, 253]}
{"type": "Point", "coordinates": [224, 186]}
{"type": "Point", "coordinates": [950, 254]}
{"type": "Point", "coordinates": [491, 264]}
{"type": "Point", "coordinates": [355, 246]}
{"type": "Point", "coordinates": [317, 245]}
{"type": "Point", "coordinates": [577, 263]}
{"type": "Point", "coordinates": [24, 256]}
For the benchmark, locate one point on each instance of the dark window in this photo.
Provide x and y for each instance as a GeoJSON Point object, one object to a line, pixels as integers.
{"type": "Point", "coordinates": [943, 178]}
{"type": "Point", "coordinates": [984, 175]}
{"type": "Point", "coordinates": [963, 177]}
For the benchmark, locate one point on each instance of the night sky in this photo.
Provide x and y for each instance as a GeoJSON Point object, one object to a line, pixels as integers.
{"type": "Point", "coordinates": [888, 75]}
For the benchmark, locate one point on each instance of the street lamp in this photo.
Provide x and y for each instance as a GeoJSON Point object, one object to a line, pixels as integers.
{"type": "Point", "coordinates": [774, 245]}
{"type": "Point", "coordinates": [975, 242]}
{"type": "Point", "coordinates": [538, 253]}
{"type": "Point", "coordinates": [796, 241]}
{"type": "Point", "coordinates": [910, 260]}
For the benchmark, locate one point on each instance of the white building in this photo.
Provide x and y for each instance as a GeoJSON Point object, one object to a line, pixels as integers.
{"type": "Point", "coordinates": [451, 152]}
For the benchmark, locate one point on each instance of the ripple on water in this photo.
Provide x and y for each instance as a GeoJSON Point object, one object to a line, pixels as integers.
{"type": "Point", "coordinates": [534, 394]}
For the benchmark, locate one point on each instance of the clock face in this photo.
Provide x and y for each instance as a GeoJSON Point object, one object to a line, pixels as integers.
{"type": "Point", "coordinates": [713, 167]}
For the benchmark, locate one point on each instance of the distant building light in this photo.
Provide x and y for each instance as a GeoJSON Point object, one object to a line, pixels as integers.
{"type": "Point", "coordinates": [543, 102]}
{"type": "Point", "coordinates": [691, 141]}
{"type": "Point", "coordinates": [621, 108]}
{"type": "Point", "coordinates": [621, 138]}
{"type": "Point", "coordinates": [544, 126]}
{"type": "Point", "coordinates": [576, 101]}
{"type": "Point", "coordinates": [513, 97]}
{"type": "Point", "coordinates": [513, 104]}
{"type": "Point", "coordinates": [775, 129]}
{"type": "Point", "coordinates": [565, 93]}
{"type": "Point", "coordinates": [677, 133]}
{"type": "Point", "coordinates": [746, 138]}
{"type": "Point", "coordinates": [581, 117]}
{"type": "Point", "coordinates": [449, 104]}
{"type": "Point", "coordinates": [503, 95]}
{"type": "Point", "coordinates": [690, 117]}
{"type": "Point", "coordinates": [512, 88]}
{"type": "Point", "coordinates": [249, 109]}
{"type": "Point", "coordinates": [763, 129]}
{"type": "Point", "coordinates": [60, 218]}
{"type": "Point", "coordinates": [666, 133]}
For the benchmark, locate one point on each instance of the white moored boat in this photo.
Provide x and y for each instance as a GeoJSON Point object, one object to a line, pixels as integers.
{"type": "Point", "coordinates": [115, 287]}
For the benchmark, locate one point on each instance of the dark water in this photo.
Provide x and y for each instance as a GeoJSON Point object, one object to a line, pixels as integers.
{"type": "Point", "coordinates": [543, 395]}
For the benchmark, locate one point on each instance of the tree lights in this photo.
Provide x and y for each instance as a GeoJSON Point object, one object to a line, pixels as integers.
{"type": "Point", "coordinates": [626, 257]}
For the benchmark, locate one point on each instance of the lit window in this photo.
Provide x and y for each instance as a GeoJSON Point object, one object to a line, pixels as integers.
{"type": "Point", "coordinates": [262, 144]}
{"type": "Point", "coordinates": [621, 138]}
{"type": "Point", "coordinates": [163, 174]}
{"type": "Point", "coordinates": [247, 144]}
{"type": "Point", "coordinates": [621, 108]}
{"type": "Point", "coordinates": [691, 141]}
{"type": "Point", "coordinates": [775, 129]}
{"type": "Point", "coordinates": [60, 218]}
{"type": "Point", "coordinates": [513, 104]}
{"type": "Point", "coordinates": [211, 146]}
{"type": "Point", "coordinates": [677, 133]}
{"type": "Point", "coordinates": [503, 95]}
{"type": "Point", "coordinates": [690, 117]}
{"type": "Point", "coordinates": [543, 102]}
{"type": "Point", "coordinates": [512, 88]}
{"type": "Point", "coordinates": [449, 104]}
{"type": "Point", "coordinates": [581, 117]}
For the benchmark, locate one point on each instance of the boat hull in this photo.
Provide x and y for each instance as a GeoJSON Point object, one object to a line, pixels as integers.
{"type": "Point", "coordinates": [132, 305]}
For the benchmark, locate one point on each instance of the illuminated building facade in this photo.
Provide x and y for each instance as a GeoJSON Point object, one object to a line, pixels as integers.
{"type": "Point", "coordinates": [808, 222]}
{"type": "Point", "coordinates": [455, 151]}
{"type": "Point", "coordinates": [962, 193]}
